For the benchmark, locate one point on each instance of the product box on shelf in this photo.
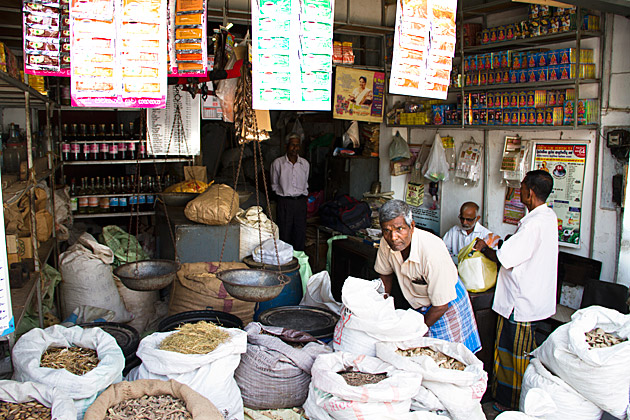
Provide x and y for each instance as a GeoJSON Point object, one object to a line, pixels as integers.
{"type": "Point", "coordinates": [531, 116]}
{"type": "Point", "coordinates": [541, 74]}
{"type": "Point", "coordinates": [505, 77]}
{"type": "Point", "coordinates": [552, 97]}
{"type": "Point", "coordinates": [510, 32]}
{"type": "Point", "coordinates": [522, 116]}
{"type": "Point", "coordinates": [501, 34]}
{"type": "Point", "coordinates": [490, 100]}
{"type": "Point", "coordinates": [8, 62]}
{"type": "Point", "coordinates": [522, 99]}
{"type": "Point", "coordinates": [540, 116]}
{"type": "Point", "coordinates": [532, 59]}
{"type": "Point", "coordinates": [24, 247]}
{"type": "Point", "coordinates": [498, 116]}
{"type": "Point", "coordinates": [558, 114]}
{"type": "Point", "coordinates": [493, 34]}
{"type": "Point", "coordinates": [587, 71]}
{"type": "Point", "coordinates": [531, 75]}
{"type": "Point", "coordinates": [513, 99]}
{"type": "Point", "coordinates": [549, 116]}
{"type": "Point", "coordinates": [568, 109]}
{"type": "Point", "coordinates": [519, 60]}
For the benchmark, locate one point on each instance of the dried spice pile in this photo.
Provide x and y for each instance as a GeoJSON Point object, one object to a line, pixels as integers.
{"type": "Point", "coordinates": [77, 360]}
{"type": "Point", "coordinates": [200, 338]}
{"type": "Point", "coordinates": [442, 360]}
{"type": "Point", "coordinates": [598, 338]}
{"type": "Point", "coordinates": [31, 410]}
{"type": "Point", "coordinates": [156, 407]}
{"type": "Point", "coordinates": [361, 378]}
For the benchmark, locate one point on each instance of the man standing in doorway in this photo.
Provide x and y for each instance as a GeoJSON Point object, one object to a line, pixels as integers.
{"type": "Point", "coordinates": [289, 180]}
{"type": "Point", "coordinates": [526, 287]}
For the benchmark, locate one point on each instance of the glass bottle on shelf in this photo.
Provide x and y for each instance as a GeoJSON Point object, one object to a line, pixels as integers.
{"type": "Point", "coordinates": [131, 150]}
{"type": "Point", "coordinates": [92, 198]}
{"type": "Point", "coordinates": [131, 187]}
{"type": "Point", "coordinates": [75, 147]}
{"type": "Point", "coordinates": [103, 201]}
{"type": "Point", "coordinates": [74, 200]}
{"type": "Point", "coordinates": [104, 151]}
{"type": "Point", "coordinates": [95, 150]}
{"type": "Point", "coordinates": [113, 151]}
{"type": "Point", "coordinates": [142, 150]}
{"type": "Point", "coordinates": [113, 199]}
{"type": "Point", "coordinates": [122, 150]}
{"type": "Point", "coordinates": [65, 143]}
{"type": "Point", "coordinates": [142, 197]}
{"type": "Point", "coordinates": [123, 203]}
{"type": "Point", "coordinates": [83, 198]}
{"type": "Point", "coordinates": [150, 194]}
{"type": "Point", "coordinates": [87, 149]}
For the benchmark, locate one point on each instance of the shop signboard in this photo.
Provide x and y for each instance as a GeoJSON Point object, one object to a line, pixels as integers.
{"type": "Point", "coordinates": [566, 163]}
{"type": "Point", "coordinates": [359, 95]}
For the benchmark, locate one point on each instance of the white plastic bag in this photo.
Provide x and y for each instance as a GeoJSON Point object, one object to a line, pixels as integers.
{"type": "Point", "coordinates": [267, 252]}
{"type": "Point", "coordinates": [570, 404]}
{"type": "Point", "coordinates": [537, 405]}
{"type": "Point", "coordinates": [88, 280]}
{"type": "Point", "coordinates": [459, 391]}
{"type": "Point", "coordinates": [436, 167]}
{"type": "Point", "coordinates": [330, 397]}
{"type": "Point", "coordinates": [253, 229]}
{"type": "Point", "coordinates": [211, 374]}
{"type": "Point", "coordinates": [61, 405]}
{"type": "Point", "coordinates": [601, 375]}
{"type": "Point", "coordinates": [84, 389]}
{"type": "Point", "coordinates": [318, 293]}
{"type": "Point", "coordinates": [367, 318]}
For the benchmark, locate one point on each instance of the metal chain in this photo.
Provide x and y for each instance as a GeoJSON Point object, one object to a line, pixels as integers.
{"type": "Point", "coordinates": [238, 170]}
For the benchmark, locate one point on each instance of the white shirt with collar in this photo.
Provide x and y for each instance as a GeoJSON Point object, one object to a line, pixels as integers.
{"type": "Point", "coordinates": [527, 280]}
{"type": "Point", "coordinates": [457, 238]}
{"type": "Point", "coordinates": [288, 179]}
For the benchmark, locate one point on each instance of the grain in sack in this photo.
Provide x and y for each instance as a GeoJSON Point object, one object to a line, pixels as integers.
{"type": "Point", "coordinates": [60, 405]}
{"type": "Point", "coordinates": [331, 397]}
{"type": "Point", "coordinates": [460, 391]}
{"type": "Point", "coordinates": [83, 389]}
{"type": "Point", "coordinates": [210, 374]}
{"type": "Point", "coordinates": [590, 370]}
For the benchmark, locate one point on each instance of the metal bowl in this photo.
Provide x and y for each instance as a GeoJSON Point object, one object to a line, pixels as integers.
{"type": "Point", "coordinates": [177, 199]}
{"type": "Point", "coordinates": [147, 275]}
{"type": "Point", "coordinates": [252, 285]}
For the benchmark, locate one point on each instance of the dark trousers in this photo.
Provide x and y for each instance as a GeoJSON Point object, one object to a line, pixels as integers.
{"type": "Point", "coordinates": [291, 214]}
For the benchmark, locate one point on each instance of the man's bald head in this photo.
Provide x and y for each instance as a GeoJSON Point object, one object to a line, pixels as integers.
{"type": "Point", "coordinates": [469, 205]}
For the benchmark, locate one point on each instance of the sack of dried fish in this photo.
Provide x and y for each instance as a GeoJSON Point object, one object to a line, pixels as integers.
{"type": "Point", "coordinates": [210, 374]}
{"type": "Point", "coordinates": [440, 364]}
{"type": "Point", "coordinates": [592, 370]}
{"type": "Point", "coordinates": [569, 404]}
{"type": "Point", "coordinates": [83, 389]}
{"type": "Point", "coordinates": [330, 396]}
{"type": "Point", "coordinates": [367, 318]}
{"type": "Point", "coordinates": [59, 405]}
{"type": "Point", "coordinates": [282, 360]}
{"type": "Point", "coordinates": [155, 397]}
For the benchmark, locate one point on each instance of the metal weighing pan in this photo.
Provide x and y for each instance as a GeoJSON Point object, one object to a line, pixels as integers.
{"type": "Point", "coordinates": [318, 322]}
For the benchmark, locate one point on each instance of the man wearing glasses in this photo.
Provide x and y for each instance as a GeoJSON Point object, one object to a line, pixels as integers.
{"type": "Point", "coordinates": [459, 237]}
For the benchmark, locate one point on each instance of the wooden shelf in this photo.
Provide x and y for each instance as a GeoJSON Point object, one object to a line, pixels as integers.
{"type": "Point", "coordinates": [20, 298]}
{"type": "Point", "coordinates": [568, 83]}
{"type": "Point", "coordinates": [125, 161]}
{"type": "Point", "coordinates": [12, 93]}
{"type": "Point", "coordinates": [526, 43]}
{"type": "Point", "coordinates": [15, 191]}
{"type": "Point", "coordinates": [499, 127]}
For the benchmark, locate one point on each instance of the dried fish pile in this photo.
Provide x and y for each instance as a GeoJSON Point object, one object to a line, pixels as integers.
{"type": "Point", "coordinates": [158, 407]}
{"type": "Point", "coordinates": [362, 378]}
{"type": "Point", "coordinates": [442, 360]}
{"type": "Point", "coordinates": [31, 410]}
{"type": "Point", "coordinates": [598, 338]}
{"type": "Point", "coordinates": [77, 360]}
{"type": "Point", "coordinates": [199, 338]}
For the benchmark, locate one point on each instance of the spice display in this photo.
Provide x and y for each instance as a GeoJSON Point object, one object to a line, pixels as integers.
{"type": "Point", "coordinates": [362, 378]}
{"type": "Point", "coordinates": [442, 360]}
{"type": "Point", "coordinates": [31, 410]}
{"type": "Point", "coordinates": [149, 407]}
{"type": "Point", "coordinates": [76, 360]}
{"type": "Point", "coordinates": [598, 338]}
{"type": "Point", "coordinates": [200, 338]}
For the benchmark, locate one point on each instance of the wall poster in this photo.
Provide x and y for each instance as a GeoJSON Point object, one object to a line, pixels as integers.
{"type": "Point", "coordinates": [359, 95]}
{"type": "Point", "coordinates": [566, 163]}
{"type": "Point", "coordinates": [513, 209]}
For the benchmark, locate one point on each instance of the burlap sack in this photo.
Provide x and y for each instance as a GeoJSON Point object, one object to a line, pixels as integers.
{"type": "Point", "coordinates": [194, 293]}
{"type": "Point", "coordinates": [217, 206]}
{"type": "Point", "coordinates": [199, 407]}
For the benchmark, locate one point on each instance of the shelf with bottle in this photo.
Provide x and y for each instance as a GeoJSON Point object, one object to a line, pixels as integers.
{"type": "Point", "coordinates": [125, 214]}
{"type": "Point", "coordinates": [96, 195]}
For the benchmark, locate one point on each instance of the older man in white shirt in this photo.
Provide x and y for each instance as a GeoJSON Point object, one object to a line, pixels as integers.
{"type": "Point", "coordinates": [460, 236]}
{"type": "Point", "coordinates": [526, 287]}
{"type": "Point", "coordinates": [289, 180]}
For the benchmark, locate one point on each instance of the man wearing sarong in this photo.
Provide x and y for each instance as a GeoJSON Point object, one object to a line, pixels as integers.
{"type": "Point", "coordinates": [526, 287]}
{"type": "Point", "coordinates": [427, 276]}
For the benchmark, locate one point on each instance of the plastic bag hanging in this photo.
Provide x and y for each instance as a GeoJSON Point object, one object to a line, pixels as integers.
{"type": "Point", "coordinates": [469, 166]}
{"type": "Point", "coordinates": [399, 149]}
{"type": "Point", "coordinates": [436, 167]}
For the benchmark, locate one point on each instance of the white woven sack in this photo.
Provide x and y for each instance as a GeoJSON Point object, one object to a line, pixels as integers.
{"type": "Point", "coordinates": [284, 370]}
{"type": "Point", "coordinates": [367, 318]}
{"type": "Point", "coordinates": [88, 280]}
{"type": "Point", "coordinates": [252, 232]}
{"type": "Point", "coordinates": [318, 293]}
{"type": "Point", "coordinates": [84, 389]}
{"type": "Point", "coordinates": [330, 397]}
{"type": "Point", "coordinates": [459, 391]}
{"type": "Point", "coordinates": [61, 406]}
{"type": "Point", "coordinates": [570, 404]}
{"type": "Point", "coordinates": [426, 400]}
{"type": "Point", "coordinates": [211, 374]}
{"type": "Point", "coordinates": [601, 375]}
{"type": "Point", "coordinates": [536, 405]}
